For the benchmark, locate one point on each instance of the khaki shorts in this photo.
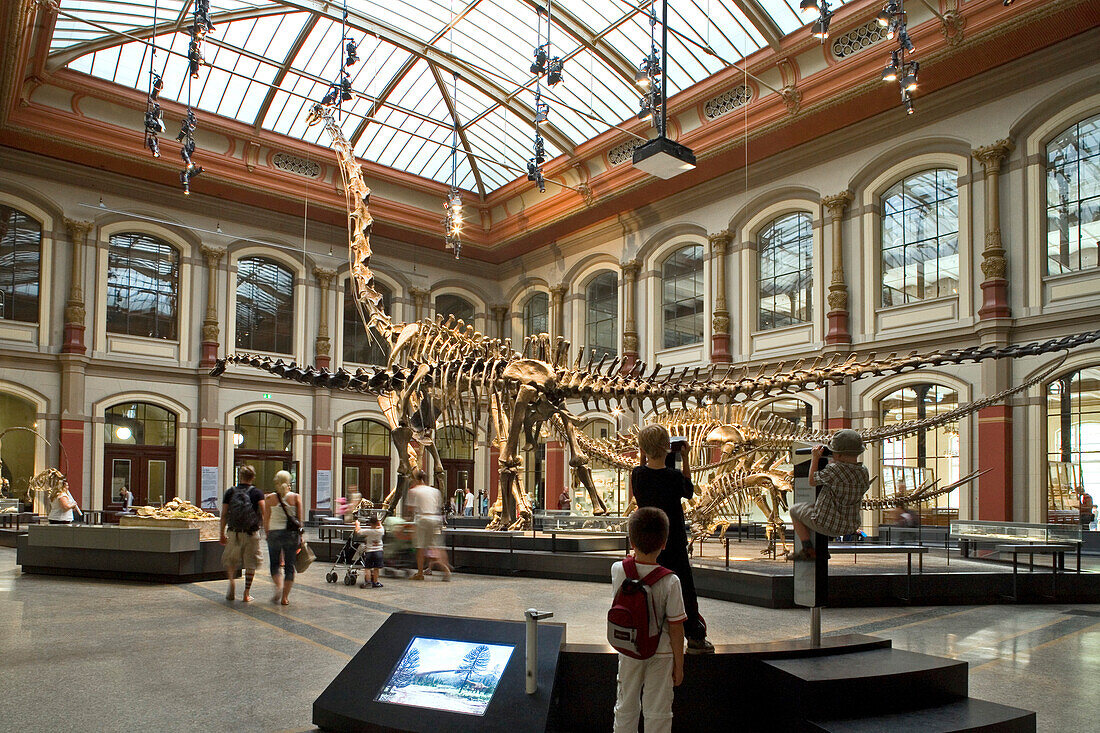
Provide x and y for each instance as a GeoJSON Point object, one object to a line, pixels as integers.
{"type": "Point", "coordinates": [242, 550]}
{"type": "Point", "coordinates": [428, 532]}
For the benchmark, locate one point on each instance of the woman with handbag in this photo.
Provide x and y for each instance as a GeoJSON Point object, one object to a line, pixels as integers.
{"type": "Point", "coordinates": [282, 510]}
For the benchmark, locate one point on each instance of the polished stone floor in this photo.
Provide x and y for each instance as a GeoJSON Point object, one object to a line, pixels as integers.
{"type": "Point", "coordinates": [95, 655]}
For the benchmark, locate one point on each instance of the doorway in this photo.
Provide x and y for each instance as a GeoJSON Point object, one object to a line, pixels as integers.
{"type": "Point", "coordinates": [139, 452]}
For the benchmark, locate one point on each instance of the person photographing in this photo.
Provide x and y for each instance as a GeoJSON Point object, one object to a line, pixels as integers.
{"type": "Point", "coordinates": [843, 483]}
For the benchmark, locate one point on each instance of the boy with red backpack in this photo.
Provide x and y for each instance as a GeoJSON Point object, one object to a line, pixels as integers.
{"type": "Point", "coordinates": [646, 626]}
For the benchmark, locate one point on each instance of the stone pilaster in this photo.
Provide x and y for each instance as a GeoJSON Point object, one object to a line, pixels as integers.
{"type": "Point", "coordinates": [630, 326]}
{"type": "Point", "coordinates": [839, 332]}
{"type": "Point", "coordinates": [420, 297]}
{"type": "Point", "coordinates": [322, 344]}
{"type": "Point", "coordinates": [995, 285]}
{"type": "Point", "coordinates": [210, 329]}
{"type": "Point", "coordinates": [557, 310]}
{"type": "Point", "coordinates": [75, 314]}
{"type": "Point", "coordinates": [500, 316]}
{"type": "Point", "coordinates": [720, 320]}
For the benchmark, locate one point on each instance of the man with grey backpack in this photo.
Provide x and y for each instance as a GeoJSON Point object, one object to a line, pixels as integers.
{"type": "Point", "coordinates": [240, 532]}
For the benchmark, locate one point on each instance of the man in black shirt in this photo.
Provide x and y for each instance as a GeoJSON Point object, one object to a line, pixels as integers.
{"type": "Point", "coordinates": [240, 531]}
{"type": "Point", "coordinates": [653, 484]}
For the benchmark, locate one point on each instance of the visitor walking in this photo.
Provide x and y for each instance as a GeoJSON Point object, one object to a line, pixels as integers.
{"type": "Point", "coordinates": [844, 481]}
{"type": "Point", "coordinates": [468, 507]}
{"type": "Point", "coordinates": [654, 484]}
{"type": "Point", "coordinates": [240, 531]}
{"type": "Point", "coordinates": [282, 510]}
{"type": "Point", "coordinates": [426, 503]}
{"type": "Point", "coordinates": [645, 685]}
{"type": "Point", "coordinates": [372, 552]}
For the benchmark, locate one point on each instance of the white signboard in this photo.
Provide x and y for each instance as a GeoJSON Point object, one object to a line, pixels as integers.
{"type": "Point", "coordinates": [324, 489]}
{"type": "Point", "coordinates": [209, 489]}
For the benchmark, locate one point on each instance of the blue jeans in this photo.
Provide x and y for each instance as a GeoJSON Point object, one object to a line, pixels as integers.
{"type": "Point", "coordinates": [283, 543]}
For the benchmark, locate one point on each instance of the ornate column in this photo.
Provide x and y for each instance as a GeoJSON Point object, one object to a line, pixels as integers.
{"type": "Point", "coordinates": [630, 328]}
{"type": "Point", "coordinates": [837, 314]}
{"type": "Point", "coordinates": [720, 320]}
{"type": "Point", "coordinates": [557, 309]}
{"type": "Point", "coordinates": [323, 345]}
{"type": "Point", "coordinates": [210, 328]}
{"type": "Point", "coordinates": [995, 285]}
{"type": "Point", "coordinates": [500, 315]}
{"type": "Point", "coordinates": [420, 297]}
{"type": "Point", "coordinates": [74, 307]}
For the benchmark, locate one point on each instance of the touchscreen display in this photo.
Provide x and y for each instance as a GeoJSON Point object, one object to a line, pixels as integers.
{"type": "Point", "coordinates": [456, 676]}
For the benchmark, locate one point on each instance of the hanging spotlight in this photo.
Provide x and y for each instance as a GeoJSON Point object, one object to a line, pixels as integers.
{"type": "Point", "coordinates": [541, 57]}
{"type": "Point", "coordinates": [890, 73]}
{"type": "Point", "coordinates": [909, 107]}
{"type": "Point", "coordinates": [555, 71]}
{"type": "Point", "coordinates": [808, 7]}
{"type": "Point", "coordinates": [351, 57]}
{"type": "Point", "coordinates": [903, 71]}
{"type": "Point", "coordinates": [542, 111]}
{"type": "Point", "coordinates": [820, 27]}
{"type": "Point", "coordinates": [909, 82]}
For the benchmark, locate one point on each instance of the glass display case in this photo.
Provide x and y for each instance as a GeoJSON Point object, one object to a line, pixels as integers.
{"type": "Point", "coordinates": [558, 521]}
{"type": "Point", "coordinates": [9, 506]}
{"type": "Point", "coordinates": [1014, 532]}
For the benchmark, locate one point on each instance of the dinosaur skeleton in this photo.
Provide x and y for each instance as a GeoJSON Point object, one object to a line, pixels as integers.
{"type": "Point", "coordinates": [442, 367]}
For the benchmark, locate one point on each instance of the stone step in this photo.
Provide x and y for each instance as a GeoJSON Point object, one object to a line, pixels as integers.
{"type": "Point", "coordinates": [966, 715]}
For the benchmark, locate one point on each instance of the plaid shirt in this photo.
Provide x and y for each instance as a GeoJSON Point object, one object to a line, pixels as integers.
{"type": "Point", "coordinates": [842, 488]}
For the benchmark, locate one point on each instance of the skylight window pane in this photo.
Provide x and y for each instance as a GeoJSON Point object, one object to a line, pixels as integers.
{"type": "Point", "coordinates": [784, 13]}
{"type": "Point", "coordinates": [423, 19]}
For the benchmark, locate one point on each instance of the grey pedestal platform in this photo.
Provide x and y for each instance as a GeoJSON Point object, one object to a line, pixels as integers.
{"type": "Point", "coordinates": [125, 553]}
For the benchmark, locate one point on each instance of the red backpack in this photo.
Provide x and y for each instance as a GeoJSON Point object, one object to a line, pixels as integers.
{"type": "Point", "coordinates": [632, 626]}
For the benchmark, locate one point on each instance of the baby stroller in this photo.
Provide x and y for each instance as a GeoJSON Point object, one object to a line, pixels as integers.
{"type": "Point", "coordinates": [399, 550]}
{"type": "Point", "coordinates": [350, 559]}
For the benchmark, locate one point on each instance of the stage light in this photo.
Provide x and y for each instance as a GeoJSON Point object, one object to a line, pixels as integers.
{"type": "Point", "coordinates": [123, 433]}
{"type": "Point", "coordinates": [808, 7]}
{"type": "Point", "coordinates": [909, 83]}
{"type": "Point", "coordinates": [821, 28]}
{"type": "Point", "coordinates": [883, 18]}
{"type": "Point", "coordinates": [554, 71]}
{"type": "Point", "coordinates": [664, 158]}
{"type": "Point", "coordinates": [542, 111]}
{"type": "Point", "coordinates": [905, 41]}
{"type": "Point", "coordinates": [352, 56]}
{"type": "Point", "coordinates": [909, 107]}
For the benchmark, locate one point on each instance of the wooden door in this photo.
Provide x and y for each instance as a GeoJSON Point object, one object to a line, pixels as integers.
{"type": "Point", "coordinates": [149, 472]}
{"type": "Point", "coordinates": [369, 475]}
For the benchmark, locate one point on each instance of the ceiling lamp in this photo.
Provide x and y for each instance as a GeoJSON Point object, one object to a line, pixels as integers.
{"type": "Point", "coordinates": [824, 14]}
{"type": "Point", "coordinates": [552, 69]}
{"type": "Point", "coordinates": [660, 156]}
{"type": "Point", "coordinates": [900, 68]}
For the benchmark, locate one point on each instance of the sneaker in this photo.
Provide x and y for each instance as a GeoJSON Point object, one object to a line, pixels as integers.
{"type": "Point", "coordinates": [700, 646]}
{"type": "Point", "coordinates": [376, 585]}
{"type": "Point", "coordinates": [806, 553]}
{"type": "Point", "coordinates": [418, 576]}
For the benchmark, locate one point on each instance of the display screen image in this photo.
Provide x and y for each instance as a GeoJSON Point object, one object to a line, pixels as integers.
{"type": "Point", "coordinates": [456, 676]}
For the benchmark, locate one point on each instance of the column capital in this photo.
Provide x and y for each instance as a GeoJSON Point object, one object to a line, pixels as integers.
{"type": "Point", "coordinates": [212, 254]}
{"type": "Point", "coordinates": [499, 310]}
{"type": "Point", "coordinates": [991, 156]}
{"type": "Point", "coordinates": [78, 230]}
{"type": "Point", "coordinates": [419, 294]}
{"type": "Point", "coordinates": [559, 291]}
{"type": "Point", "coordinates": [837, 203]}
{"type": "Point", "coordinates": [324, 276]}
{"type": "Point", "coordinates": [631, 268]}
{"type": "Point", "coordinates": [720, 241]}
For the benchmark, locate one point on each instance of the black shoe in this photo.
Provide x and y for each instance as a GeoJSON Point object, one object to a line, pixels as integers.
{"type": "Point", "coordinates": [376, 585]}
{"type": "Point", "coordinates": [700, 646]}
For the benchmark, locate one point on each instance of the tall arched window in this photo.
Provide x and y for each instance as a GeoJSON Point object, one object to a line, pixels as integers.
{"type": "Point", "coordinates": [1073, 198]}
{"type": "Point", "coordinates": [456, 450]}
{"type": "Point", "coordinates": [911, 461]}
{"type": "Point", "coordinates": [682, 297]}
{"type": "Point", "coordinates": [366, 459]}
{"type": "Point", "coordinates": [920, 237]}
{"type": "Point", "coordinates": [265, 306]}
{"type": "Point", "coordinates": [360, 346]}
{"type": "Point", "coordinates": [20, 255]}
{"type": "Point", "coordinates": [455, 305]}
{"type": "Point", "coordinates": [1073, 424]}
{"type": "Point", "coordinates": [786, 271]}
{"type": "Point", "coordinates": [601, 308]}
{"type": "Point", "coordinates": [139, 453]}
{"type": "Point", "coordinates": [142, 283]}
{"type": "Point", "coordinates": [263, 439]}
{"type": "Point", "coordinates": [536, 315]}
{"type": "Point", "coordinates": [18, 448]}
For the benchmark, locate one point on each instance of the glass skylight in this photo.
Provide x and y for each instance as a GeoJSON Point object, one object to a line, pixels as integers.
{"type": "Point", "coordinates": [269, 60]}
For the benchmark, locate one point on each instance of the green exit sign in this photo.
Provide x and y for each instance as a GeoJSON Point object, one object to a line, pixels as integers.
{"type": "Point", "coordinates": [267, 395]}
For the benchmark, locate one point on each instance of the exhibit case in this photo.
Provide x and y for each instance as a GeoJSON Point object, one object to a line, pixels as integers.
{"type": "Point", "coordinates": [9, 506]}
{"type": "Point", "coordinates": [564, 521]}
{"type": "Point", "coordinates": [1015, 532]}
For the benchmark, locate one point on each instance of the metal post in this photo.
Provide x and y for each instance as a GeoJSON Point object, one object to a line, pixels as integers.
{"type": "Point", "coordinates": [815, 627]}
{"type": "Point", "coordinates": [533, 617]}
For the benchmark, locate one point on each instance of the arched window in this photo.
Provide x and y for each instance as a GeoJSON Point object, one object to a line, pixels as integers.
{"type": "Point", "coordinates": [786, 271]}
{"type": "Point", "coordinates": [265, 306]}
{"type": "Point", "coordinates": [791, 409]}
{"type": "Point", "coordinates": [1073, 430]}
{"type": "Point", "coordinates": [682, 297]}
{"type": "Point", "coordinates": [930, 454]}
{"type": "Point", "coordinates": [601, 307]}
{"type": "Point", "coordinates": [920, 238]}
{"type": "Point", "coordinates": [18, 448]}
{"type": "Point", "coordinates": [455, 305]}
{"type": "Point", "coordinates": [142, 286]}
{"type": "Point", "coordinates": [360, 346]}
{"type": "Point", "coordinates": [366, 459]}
{"type": "Point", "coordinates": [536, 315]}
{"type": "Point", "coordinates": [139, 453]}
{"type": "Point", "coordinates": [263, 439]}
{"type": "Point", "coordinates": [20, 255]}
{"type": "Point", "coordinates": [1073, 198]}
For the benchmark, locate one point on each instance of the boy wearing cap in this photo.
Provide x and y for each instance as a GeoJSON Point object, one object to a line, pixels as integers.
{"type": "Point", "coordinates": [843, 482]}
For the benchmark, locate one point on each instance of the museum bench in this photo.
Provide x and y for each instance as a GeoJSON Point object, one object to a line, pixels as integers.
{"type": "Point", "coordinates": [868, 549]}
{"type": "Point", "coordinates": [1057, 554]}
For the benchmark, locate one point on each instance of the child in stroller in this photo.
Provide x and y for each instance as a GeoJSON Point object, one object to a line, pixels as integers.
{"type": "Point", "coordinates": [399, 551]}
{"type": "Point", "coordinates": [350, 557]}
